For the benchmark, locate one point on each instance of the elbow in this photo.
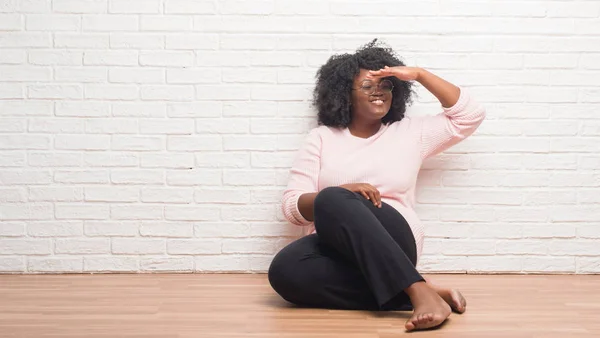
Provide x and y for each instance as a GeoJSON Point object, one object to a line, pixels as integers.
{"type": "Point", "coordinates": [482, 113]}
{"type": "Point", "coordinates": [477, 110]}
{"type": "Point", "coordinates": [480, 116]}
{"type": "Point", "coordinates": [467, 125]}
{"type": "Point", "coordinates": [476, 118]}
{"type": "Point", "coordinates": [473, 120]}
{"type": "Point", "coordinates": [471, 113]}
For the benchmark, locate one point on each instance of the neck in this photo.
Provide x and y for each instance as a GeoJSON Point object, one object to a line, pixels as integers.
{"type": "Point", "coordinates": [364, 129]}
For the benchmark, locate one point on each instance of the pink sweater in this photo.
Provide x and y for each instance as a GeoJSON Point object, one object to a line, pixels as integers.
{"type": "Point", "coordinates": [390, 160]}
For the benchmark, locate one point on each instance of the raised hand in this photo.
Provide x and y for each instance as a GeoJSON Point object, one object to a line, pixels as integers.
{"type": "Point", "coordinates": [401, 72]}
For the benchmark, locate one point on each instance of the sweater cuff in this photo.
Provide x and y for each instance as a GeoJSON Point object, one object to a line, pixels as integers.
{"type": "Point", "coordinates": [292, 209]}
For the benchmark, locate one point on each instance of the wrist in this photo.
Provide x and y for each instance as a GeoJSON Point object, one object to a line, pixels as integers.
{"type": "Point", "coordinates": [420, 73]}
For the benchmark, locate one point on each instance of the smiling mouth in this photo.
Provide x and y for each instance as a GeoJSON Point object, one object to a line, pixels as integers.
{"type": "Point", "coordinates": [378, 102]}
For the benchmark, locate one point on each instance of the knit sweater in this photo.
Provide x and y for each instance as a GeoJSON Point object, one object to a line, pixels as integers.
{"type": "Point", "coordinates": [389, 160]}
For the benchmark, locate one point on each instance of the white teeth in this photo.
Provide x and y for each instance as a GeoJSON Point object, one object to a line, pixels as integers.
{"type": "Point", "coordinates": [378, 102]}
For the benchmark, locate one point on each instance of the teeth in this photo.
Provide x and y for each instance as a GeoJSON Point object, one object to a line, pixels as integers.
{"type": "Point", "coordinates": [378, 102]}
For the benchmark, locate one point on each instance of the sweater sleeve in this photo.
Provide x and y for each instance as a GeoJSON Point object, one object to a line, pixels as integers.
{"type": "Point", "coordinates": [304, 176]}
{"type": "Point", "coordinates": [446, 129]}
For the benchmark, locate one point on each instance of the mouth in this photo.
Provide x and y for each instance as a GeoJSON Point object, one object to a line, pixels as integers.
{"type": "Point", "coordinates": [378, 102]}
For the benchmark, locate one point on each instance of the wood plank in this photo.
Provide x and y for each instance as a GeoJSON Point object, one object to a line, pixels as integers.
{"type": "Point", "coordinates": [244, 305]}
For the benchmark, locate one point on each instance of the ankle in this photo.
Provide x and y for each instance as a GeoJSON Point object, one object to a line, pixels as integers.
{"type": "Point", "coordinates": [415, 288]}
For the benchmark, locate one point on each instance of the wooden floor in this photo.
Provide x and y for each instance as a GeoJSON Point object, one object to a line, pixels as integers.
{"type": "Point", "coordinates": [225, 305]}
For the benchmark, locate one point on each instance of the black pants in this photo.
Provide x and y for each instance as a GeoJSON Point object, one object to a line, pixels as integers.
{"type": "Point", "coordinates": [361, 258]}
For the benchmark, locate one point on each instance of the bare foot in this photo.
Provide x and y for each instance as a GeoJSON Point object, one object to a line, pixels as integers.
{"type": "Point", "coordinates": [454, 298]}
{"type": "Point", "coordinates": [430, 309]}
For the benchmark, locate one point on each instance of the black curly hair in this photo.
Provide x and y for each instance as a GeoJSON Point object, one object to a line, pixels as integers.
{"type": "Point", "coordinates": [332, 95]}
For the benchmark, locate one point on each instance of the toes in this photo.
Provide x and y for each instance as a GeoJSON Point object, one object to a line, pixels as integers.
{"type": "Point", "coordinates": [463, 302]}
{"type": "Point", "coordinates": [422, 319]}
{"type": "Point", "coordinates": [429, 319]}
{"type": "Point", "coordinates": [459, 301]}
{"type": "Point", "coordinates": [413, 323]}
{"type": "Point", "coordinates": [410, 325]}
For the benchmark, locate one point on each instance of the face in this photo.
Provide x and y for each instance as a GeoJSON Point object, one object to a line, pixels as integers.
{"type": "Point", "coordinates": [371, 99]}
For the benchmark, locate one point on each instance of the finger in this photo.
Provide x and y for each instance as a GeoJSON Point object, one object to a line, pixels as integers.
{"type": "Point", "coordinates": [373, 197]}
{"type": "Point", "coordinates": [371, 192]}
{"type": "Point", "coordinates": [364, 193]}
{"type": "Point", "coordinates": [378, 196]}
{"type": "Point", "coordinates": [368, 194]}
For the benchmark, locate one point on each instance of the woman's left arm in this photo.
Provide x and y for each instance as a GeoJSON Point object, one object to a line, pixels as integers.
{"type": "Point", "coordinates": [444, 91]}
{"type": "Point", "coordinates": [461, 114]}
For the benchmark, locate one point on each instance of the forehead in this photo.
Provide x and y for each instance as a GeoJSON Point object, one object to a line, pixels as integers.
{"type": "Point", "coordinates": [362, 75]}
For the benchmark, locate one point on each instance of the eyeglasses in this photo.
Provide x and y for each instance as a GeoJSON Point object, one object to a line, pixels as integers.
{"type": "Point", "coordinates": [368, 87]}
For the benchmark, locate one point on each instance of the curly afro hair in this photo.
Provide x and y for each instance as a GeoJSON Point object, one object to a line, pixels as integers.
{"type": "Point", "coordinates": [332, 95]}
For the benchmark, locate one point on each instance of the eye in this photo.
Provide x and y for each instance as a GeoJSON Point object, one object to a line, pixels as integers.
{"type": "Point", "coordinates": [387, 86]}
{"type": "Point", "coordinates": [367, 84]}
{"type": "Point", "coordinates": [367, 87]}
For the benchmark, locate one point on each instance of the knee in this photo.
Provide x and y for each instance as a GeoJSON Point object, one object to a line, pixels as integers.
{"type": "Point", "coordinates": [331, 197]}
{"type": "Point", "coordinates": [286, 278]}
{"type": "Point", "coordinates": [279, 274]}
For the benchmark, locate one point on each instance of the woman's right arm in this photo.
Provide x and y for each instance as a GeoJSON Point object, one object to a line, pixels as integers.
{"type": "Point", "coordinates": [299, 196]}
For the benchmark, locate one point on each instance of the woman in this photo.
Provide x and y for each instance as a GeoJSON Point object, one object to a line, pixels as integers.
{"type": "Point", "coordinates": [353, 186]}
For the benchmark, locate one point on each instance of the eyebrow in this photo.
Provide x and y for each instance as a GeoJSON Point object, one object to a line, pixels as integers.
{"type": "Point", "coordinates": [372, 81]}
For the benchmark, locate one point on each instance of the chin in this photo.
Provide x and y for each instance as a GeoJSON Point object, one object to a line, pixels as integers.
{"type": "Point", "coordinates": [380, 113]}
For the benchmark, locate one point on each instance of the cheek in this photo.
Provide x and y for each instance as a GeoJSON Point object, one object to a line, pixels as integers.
{"type": "Point", "coordinates": [355, 99]}
{"type": "Point", "coordinates": [359, 101]}
{"type": "Point", "coordinates": [388, 102]}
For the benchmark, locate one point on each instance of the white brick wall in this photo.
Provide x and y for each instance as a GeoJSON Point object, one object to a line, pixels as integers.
{"type": "Point", "coordinates": [156, 135]}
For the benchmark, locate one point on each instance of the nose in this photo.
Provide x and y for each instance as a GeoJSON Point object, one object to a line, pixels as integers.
{"type": "Point", "coordinates": [377, 91]}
